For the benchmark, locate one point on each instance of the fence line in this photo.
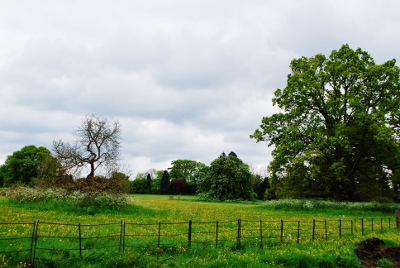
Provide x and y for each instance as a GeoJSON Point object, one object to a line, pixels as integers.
{"type": "Point", "coordinates": [30, 241]}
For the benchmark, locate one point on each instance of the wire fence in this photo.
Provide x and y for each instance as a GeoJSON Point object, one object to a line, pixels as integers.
{"type": "Point", "coordinates": [27, 242]}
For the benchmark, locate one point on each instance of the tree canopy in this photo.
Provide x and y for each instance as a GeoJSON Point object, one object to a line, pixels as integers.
{"type": "Point", "coordinates": [228, 178]}
{"type": "Point", "coordinates": [28, 163]}
{"type": "Point", "coordinates": [338, 134]}
{"type": "Point", "coordinates": [97, 144]}
{"type": "Point", "coordinates": [188, 170]}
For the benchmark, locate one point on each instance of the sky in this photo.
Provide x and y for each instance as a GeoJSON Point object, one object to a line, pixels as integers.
{"type": "Point", "coordinates": [187, 79]}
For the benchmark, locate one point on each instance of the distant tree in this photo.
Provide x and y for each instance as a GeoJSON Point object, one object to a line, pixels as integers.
{"type": "Point", "coordinates": [232, 154]}
{"type": "Point", "coordinates": [27, 164]}
{"type": "Point", "coordinates": [338, 133]}
{"type": "Point", "coordinates": [97, 144]}
{"type": "Point", "coordinates": [260, 185]}
{"type": "Point", "coordinates": [139, 185]}
{"type": "Point", "coordinates": [155, 183]}
{"type": "Point", "coordinates": [227, 179]}
{"type": "Point", "coordinates": [148, 182]}
{"type": "Point", "coordinates": [179, 186]}
{"type": "Point", "coordinates": [165, 183]}
{"type": "Point", "coordinates": [189, 170]}
{"type": "Point", "coordinates": [2, 175]}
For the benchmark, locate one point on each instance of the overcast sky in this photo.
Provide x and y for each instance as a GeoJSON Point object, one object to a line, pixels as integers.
{"type": "Point", "coordinates": [187, 79]}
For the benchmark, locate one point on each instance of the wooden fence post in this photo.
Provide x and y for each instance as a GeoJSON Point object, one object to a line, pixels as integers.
{"type": "Point", "coordinates": [281, 230]}
{"type": "Point", "coordinates": [362, 226]}
{"type": "Point", "coordinates": [397, 212]}
{"type": "Point", "coordinates": [326, 231]}
{"type": "Point", "coordinates": [313, 230]}
{"type": "Point", "coordinates": [298, 232]}
{"type": "Point", "coordinates": [190, 233]}
{"type": "Point", "coordinates": [80, 239]}
{"type": "Point", "coordinates": [32, 244]}
{"type": "Point", "coordinates": [261, 234]}
{"type": "Point", "coordinates": [239, 231]}
{"type": "Point", "coordinates": [123, 238]}
{"type": "Point", "coordinates": [35, 243]}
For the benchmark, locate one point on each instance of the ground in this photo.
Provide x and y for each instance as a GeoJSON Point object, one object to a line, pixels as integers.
{"type": "Point", "coordinates": [371, 250]}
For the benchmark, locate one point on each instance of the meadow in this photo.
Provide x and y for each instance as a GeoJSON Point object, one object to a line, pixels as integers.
{"type": "Point", "coordinates": [286, 233]}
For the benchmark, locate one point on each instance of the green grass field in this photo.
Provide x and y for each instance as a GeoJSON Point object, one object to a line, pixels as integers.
{"type": "Point", "coordinates": [153, 241]}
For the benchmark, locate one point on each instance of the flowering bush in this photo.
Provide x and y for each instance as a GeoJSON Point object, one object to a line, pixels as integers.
{"type": "Point", "coordinates": [23, 194]}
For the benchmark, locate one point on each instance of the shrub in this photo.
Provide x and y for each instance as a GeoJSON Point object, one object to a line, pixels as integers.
{"type": "Point", "coordinates": [22, 194]}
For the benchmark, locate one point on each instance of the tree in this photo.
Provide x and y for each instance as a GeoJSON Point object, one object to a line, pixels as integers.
{"type": "Point", "coordinates": [338, 133]}
{"type": "Point", "coordinates": [227, 179]}
{"type": "Point", "coordinates": [97, 143]}
{"type": "Point", "coordinates": [148, 182]}
{"type": "Point", "coordinates": [139, 185]}
{"type": "Point", "coordinates": [164, 184]}
{"type": "Point", "coordinates": [185, 169]}
{"type": "Point", "coordinates": [27, 164]}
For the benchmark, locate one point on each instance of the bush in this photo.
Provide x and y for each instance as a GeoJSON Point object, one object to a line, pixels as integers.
{"type": "Point", "coordinates": [309, 204]}
{"type": "Point", "coordinates": [22, 194]}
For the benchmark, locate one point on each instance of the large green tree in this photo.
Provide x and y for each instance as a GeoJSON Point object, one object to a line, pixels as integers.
{"type": "Point", "coordinates": [338, 133]}
{"type": "Point", "coordinates": [228, 178]}
{"type": "Point", "coordinates": [188, 170]}
{"type": "Point", "coordinates": [29, 163]}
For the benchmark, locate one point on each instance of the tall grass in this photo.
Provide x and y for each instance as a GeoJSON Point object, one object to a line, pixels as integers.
{"type": "Point", "coordinates": [334, 252]}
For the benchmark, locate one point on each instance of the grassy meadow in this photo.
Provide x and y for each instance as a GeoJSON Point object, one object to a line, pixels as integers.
{"type": "Point", "coordinates": [338, 227]}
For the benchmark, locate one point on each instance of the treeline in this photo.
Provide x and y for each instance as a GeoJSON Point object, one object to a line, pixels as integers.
{"type": "Point", "coordinates": [192, 177]}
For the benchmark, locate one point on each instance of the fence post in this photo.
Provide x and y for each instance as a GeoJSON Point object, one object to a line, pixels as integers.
{"type": "Point", "coordinates": [216, 234]}
{"type": "Point", "coordinates": [313, 230]}
{"type": "Point", "coordinates": [397, 212]}
{"type": "Point", "coordinates": [362, 226]}
{"type": "Point", "coordinates": [261, 235]}
{"type": "Point", "coordinates": [281, 230]}
{"type": "Point", "coordinates": [239, 232]}
{"type": "Point", "coordinates": [381, 224]}
{"type": "Point", "coordinates": [32, 243]}
{"type": "Point", "coordinates": [35, 243]}
{"type": "Point", "coordinates": [159, 234]}
{"type": "Point", "coordinates": [80, 239]}
{"type": "Point", "coordinates": [340, 227]}
{"type": "Point", "coordinates": [326, 232]}
{"type": "Point", "coordinates": [298, 232]}
{"type": "Point", "coordinates": [190, 233]}
{"type": "Point", "coordinates": [123, 238]}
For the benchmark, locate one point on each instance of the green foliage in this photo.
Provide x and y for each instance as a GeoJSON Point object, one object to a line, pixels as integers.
{"type": "Point", "coordinates": [62, 197]}
{"type": "Point", "coordinates": [260, 185]}
{"type": "Point", "coordinates": [384, 262]}
{"type": "Point", "coordinates": [321, 205]}
{"type": "Point", "coordinates": [27, 164]}
{"type": "Point", "coordinates": [188, 170]}
{"type": "Point", "coordinates": [227, 179]}
{"type": "Point", "coordinates": [165, 183]}
{"type": "Point", "coordinates": [139, 186]}
{"type": "Point", "coordinates": [337, 135]}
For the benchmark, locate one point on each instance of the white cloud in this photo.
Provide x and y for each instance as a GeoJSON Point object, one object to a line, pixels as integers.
{"type": "Point", "coordinates": [187, 79]}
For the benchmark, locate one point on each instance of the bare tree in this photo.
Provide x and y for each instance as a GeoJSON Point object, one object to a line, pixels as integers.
{"type": "Point", "coordinates": [97, 143]}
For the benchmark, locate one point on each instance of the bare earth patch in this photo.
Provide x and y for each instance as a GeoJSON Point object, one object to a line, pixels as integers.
{"type": "Point", "coordinates": [371, 250]}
